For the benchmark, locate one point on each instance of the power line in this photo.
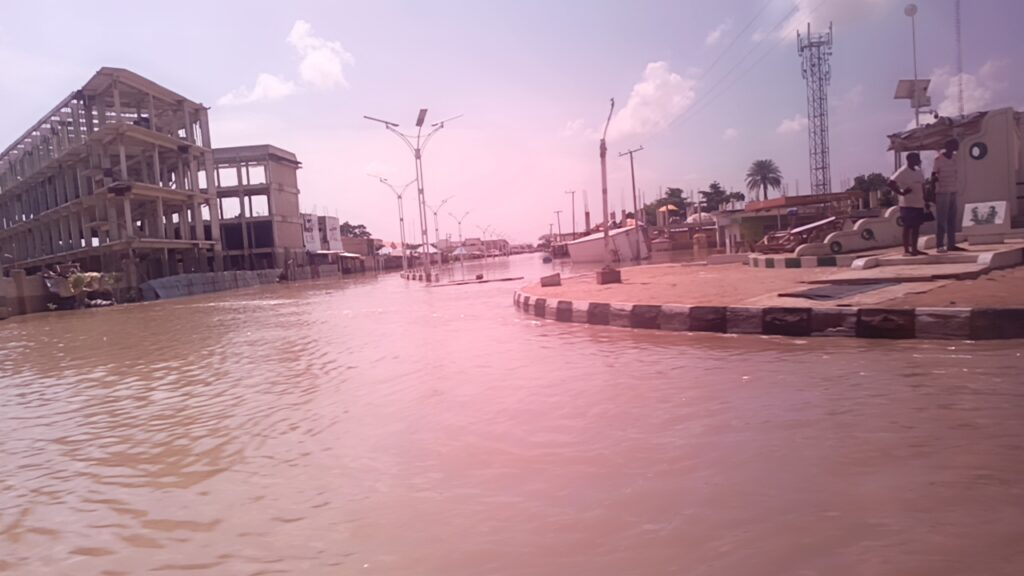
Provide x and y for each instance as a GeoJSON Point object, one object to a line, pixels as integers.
{"type": "Point", "coordinates": [694, 109]}
{"type": "Point", "coordinates": [721, 79]}
{"type": "Point", "coordinates": [734, 39]}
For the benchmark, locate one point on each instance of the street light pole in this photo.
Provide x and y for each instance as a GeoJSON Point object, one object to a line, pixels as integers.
{"type": "Point", "coordinates": [417, 149]}
{"type": "Point", "coordinates": [573, 194]}
{"type": "Point", "coordinates": [401, 216]}
{"type": "Point", "coordinates": [636, 209]}
{"type": "Point", "coordinates": [911, 11]}
{"type": "Point", "coordinates": [437, 228]}
{"type": "Point", "coordinates": [603, 149]}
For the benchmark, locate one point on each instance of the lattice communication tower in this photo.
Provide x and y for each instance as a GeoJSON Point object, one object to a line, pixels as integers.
{"type": "Point", "coordinates": [815, 51]}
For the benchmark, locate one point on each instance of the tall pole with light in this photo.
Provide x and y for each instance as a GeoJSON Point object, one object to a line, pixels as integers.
{"type": "Point", "coordinates": [417, 149]}
{"type": "Point", "coordinates": [636, 209]}
{"type": "Point", "coordinates": [401, 215]}
{"type": "Point", "coordinates": [603, 148]}
{"type": "Point", "coordinates": [911, 11]}
{"type": "Point", "coordinates": [437, 228]}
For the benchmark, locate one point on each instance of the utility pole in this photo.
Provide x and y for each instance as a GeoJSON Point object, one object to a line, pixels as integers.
{"type": "Point", "coordinates": [636, 210]}
{"type": "Point", "coordinates": [462, 256]}
{"type": "Point", "coordinates": [573, 193]}
{"type": "Point", "coordinates": [586, 214]}
{"type": "Point", "coordinates": [401, 216]}
{"type": "Point", "coordinates": [558, 217]}
{"type": "Point", "coordinates": [603, 150]}
{"type": "Point", "coordinates": [417, 152]}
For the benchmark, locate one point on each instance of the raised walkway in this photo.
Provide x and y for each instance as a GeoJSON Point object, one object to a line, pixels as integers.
{"type": "Point", "coordinates": [961, 299]}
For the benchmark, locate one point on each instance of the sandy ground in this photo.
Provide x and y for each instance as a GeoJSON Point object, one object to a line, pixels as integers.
{"type": "Point", "coordinates": [1000, 288]}
{"type": "Point", "coordinates": [738, 285]}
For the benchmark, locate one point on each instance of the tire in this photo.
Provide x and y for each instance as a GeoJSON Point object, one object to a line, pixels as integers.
{"type": "Point", "coordinates": [836, 246]}
{"type": "Point", "coordinates": [867, 234]}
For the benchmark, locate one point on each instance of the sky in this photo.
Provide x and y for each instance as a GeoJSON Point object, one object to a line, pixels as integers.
{"type": "Point", "coordinates": [705, 87]}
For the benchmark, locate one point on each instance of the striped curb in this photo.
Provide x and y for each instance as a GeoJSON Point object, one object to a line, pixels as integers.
{"type": "Point", "coordinates": [891, 323]}
{"type": "Point", "coordinates": [838, 260]}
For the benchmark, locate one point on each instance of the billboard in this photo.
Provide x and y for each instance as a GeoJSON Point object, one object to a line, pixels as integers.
{"type": "Point", "coordinates": [310, 233]}
{"type": "Point", "coordinates": [330, 234]}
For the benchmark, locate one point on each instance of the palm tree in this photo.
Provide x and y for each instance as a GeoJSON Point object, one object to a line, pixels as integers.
{"type": "Point", "coordinates": [762, 175]}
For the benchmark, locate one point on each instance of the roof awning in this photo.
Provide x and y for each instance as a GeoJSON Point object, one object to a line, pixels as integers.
{"type": "Point", "coordinates": [934, 136]}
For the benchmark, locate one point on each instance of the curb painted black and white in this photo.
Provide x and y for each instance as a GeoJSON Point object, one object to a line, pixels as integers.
{"type": "Point", "coordinates": [900, 323]}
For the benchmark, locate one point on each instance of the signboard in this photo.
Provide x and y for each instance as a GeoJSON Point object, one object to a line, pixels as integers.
{"type": "Point", "coordinates": [330, 234]}
{"type": "Point", "coordinates": [310, 233]}
{"type": "Point", "coordinates": [984, 214]}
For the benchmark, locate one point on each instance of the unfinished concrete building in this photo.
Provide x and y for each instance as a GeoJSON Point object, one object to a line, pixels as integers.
{"type": "Point", "coordinates": [115, 179]}
{"type": "Point", "coordinates": [261, 226]}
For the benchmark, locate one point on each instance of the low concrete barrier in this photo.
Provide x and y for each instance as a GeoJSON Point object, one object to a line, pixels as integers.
{"type": "Point", "coordinates": [894, 323]}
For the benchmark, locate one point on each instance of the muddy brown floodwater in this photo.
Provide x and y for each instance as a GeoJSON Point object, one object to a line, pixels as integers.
{"type": "Point", "coordinates": [374, 426]}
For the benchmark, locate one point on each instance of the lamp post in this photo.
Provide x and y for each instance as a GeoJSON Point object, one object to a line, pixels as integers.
{"type": "Point", "coordinates": [911, 11]}
{"type": "Point", "coordinates": [483, 234]}
{"type": "Point", "coordinates": [603, 149]}
{"type": "Point", "coordinates": [437, 228]}
{"type": "Point", "coordinates": [636, 209]}
{"type": "Point", "coordinates": [401, 215]}
{"type": "Point", "coordinates": [417, 149]}
{"type": "Point", "coordinates": [462, 257]}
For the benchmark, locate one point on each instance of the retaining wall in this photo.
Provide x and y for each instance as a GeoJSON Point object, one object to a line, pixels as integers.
{"type": "Point", "coordinates": [203, 283]}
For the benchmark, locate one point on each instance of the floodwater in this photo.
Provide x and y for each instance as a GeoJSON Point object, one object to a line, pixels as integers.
{"type": "Point", "coordinates": [374, 426]}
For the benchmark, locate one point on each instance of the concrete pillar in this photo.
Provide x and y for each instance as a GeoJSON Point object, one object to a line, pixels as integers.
{"type": "Point", "coordinates": [19, 304]}
{"type": "Point", "coordinates": [124, 161]}
{"type": "Point", "coordinates": [76, 231]}
{"type": "Point", "coordinates": [157, 176]}
{"type": "Point", "coordinates": [129, 223]}
{"type": "Point", "coordinates": [161, 227]}
{"type": "Point", "coordinates": [183, 223]}
{"type": "Point", "coordinates": [117, 101]}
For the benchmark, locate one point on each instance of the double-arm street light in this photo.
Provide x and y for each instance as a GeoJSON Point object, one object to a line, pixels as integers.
{"type": "Point", "coordinates": [437, 228]}
{"type": "Point", "coordinates": [417, 144]}
{"type": "Point", "coordinates": [401, 215]}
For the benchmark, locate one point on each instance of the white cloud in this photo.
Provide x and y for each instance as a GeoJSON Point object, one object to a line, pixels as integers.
{"type": "Point", "coordinates": [853, 97]}
{"type": "Point", "coordinates": [267, 88]}
{"type": "Point", "coordinates": [573, 127]}
{"type": "Point", "coordinates": [322, 67]}
{"type": "Point", "coordinates": [730, 134]}
{"type": "Point", "coordinates": [979, 89]}
{"type": "Point", "coordinates": [323, 61]}
{"type": "Point", "coordinates": [715, 35]}
{"type": "Point", "coordinates": [660, 97]}
{"type": "Point", "coordinates": [820, 14]}
{"type": "Point", "coordinates": [797, 123]}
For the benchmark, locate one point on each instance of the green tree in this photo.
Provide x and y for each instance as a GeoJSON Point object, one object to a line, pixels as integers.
{"type": "Point", "coordinates": [762, 175]}
{"type": "Point", "coordinates": [874, 182]}
{"type": "Point", "coordinates": [673, 197]}
{"type": "Point", "coordinates": [354, 230]}
{"type": "Point", "coordinates": [714, 197]}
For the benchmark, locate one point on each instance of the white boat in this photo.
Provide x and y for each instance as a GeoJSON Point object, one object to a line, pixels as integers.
{"type": "Point", "coordinates": [622, 243]}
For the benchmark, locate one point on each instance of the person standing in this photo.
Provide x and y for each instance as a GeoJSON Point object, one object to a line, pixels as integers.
{"type": "Point", "coordinates": [908, 184]}
{"type": "Point", "coordinates": [944, 177]}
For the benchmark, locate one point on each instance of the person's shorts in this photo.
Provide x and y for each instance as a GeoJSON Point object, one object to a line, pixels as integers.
{"type": "Point", "coordinates": [911, 216]}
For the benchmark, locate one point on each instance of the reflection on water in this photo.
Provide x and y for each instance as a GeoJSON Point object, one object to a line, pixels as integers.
{"type": "Point", "coordinates": [382, 427]}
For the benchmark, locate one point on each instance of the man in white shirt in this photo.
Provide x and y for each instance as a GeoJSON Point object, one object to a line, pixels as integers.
{"type": "Point", "coordinates": [944, 177]}
{"type": "Point", "coordinates": [908, 184]}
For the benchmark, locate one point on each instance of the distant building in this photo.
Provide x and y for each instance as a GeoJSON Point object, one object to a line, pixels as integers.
{"type": "Point", "coordinates": [259, 204]}
{"type": "Point", "coordinates": [121, 176]}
